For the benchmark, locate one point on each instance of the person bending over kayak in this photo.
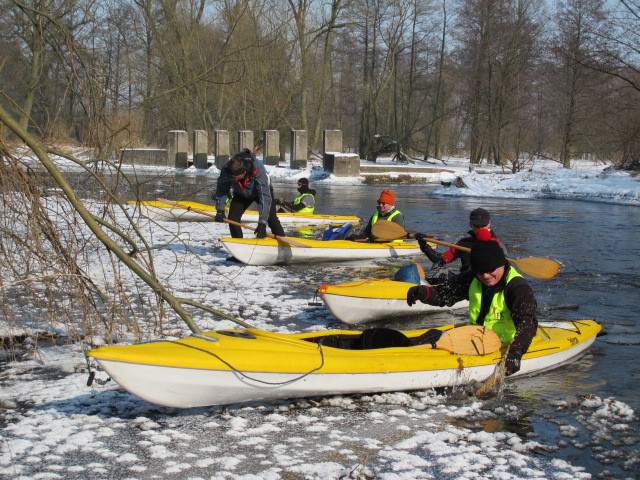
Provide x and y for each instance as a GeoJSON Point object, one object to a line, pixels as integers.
{"type": "Point", "coordinates": [386, 210]}
{"type": "Point", "coordinates": [305, 202]}
{"type": "Point", "coordinates": [499, 298]}
{"type": "Point", "coordinates": [481, 231]}
{"type": "Point", "coordinates": [245, 176]}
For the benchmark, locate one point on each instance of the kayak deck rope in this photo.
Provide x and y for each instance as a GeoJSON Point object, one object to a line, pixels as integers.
{"type": "Point", "coordinates": [92, 374]}
{"type": "Point", "coordinates": [249, 377]}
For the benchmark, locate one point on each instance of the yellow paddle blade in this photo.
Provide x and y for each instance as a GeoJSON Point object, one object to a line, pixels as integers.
{"type": "Point", "coordinates": [537, 267]}
{"type": "Point", "coordinates": [468, 340]}
{"type": "Point", "coordinates": [386, 230]}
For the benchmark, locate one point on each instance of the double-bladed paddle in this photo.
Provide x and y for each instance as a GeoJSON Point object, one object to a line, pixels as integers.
{"type": "Point", "coordinates": [277, 237]}
{"type": "Point", "coordinates": [467, 340]}
{"type": "Point", "coordinates": [537, 267]}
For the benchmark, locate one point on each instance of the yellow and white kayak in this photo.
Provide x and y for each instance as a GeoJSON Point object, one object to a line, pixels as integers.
{"type": "Point", "coordinates": [270, 251]}
{"type": "Point", "coordinates": [231, 366]}
{"type": "Point", "coordinates": [156, 210]}
{"type": "Point", "coordinates": [362, 301]}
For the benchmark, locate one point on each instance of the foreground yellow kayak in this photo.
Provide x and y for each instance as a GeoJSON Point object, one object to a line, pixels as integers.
{"type": "Point", "coordinates": [230, 366]}
{"type": "Point", "coordinates": [156, 210]}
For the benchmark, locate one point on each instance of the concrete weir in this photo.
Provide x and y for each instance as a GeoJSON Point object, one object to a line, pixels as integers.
{"type": "Point", "coordinates": [182, 153]}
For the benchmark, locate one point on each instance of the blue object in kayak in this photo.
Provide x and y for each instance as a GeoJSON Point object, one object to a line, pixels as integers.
{"type": "Point", "coordinates": [408, 273]}
{"type": "Point", "coordinates": [337, 233]}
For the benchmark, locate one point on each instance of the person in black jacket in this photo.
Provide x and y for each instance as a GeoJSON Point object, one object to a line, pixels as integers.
{"type": "Point", "coordinates": [499, 298]}
{"type": "Point", "coordinates": [246, 177]}
{"type": "Point", "coordinates": [481, 231]}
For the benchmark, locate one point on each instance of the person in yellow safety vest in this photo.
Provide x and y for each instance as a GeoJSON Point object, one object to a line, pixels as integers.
{"type": "Point", "coordinates": [386, 211]}
{"type": "Point", "coordinates": [499, 298]}
{"type": "Point", "coordinates": [305, 202]}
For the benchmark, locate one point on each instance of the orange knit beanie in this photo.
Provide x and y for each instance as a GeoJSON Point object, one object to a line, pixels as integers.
{"type": "Point", "coordinates": [387, 196]}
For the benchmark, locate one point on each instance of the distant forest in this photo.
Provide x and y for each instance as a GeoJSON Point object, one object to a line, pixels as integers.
{"type": "Point", "coordinates": [499, 81]}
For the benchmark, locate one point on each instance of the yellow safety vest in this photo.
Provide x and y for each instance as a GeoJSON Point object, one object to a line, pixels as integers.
{"type": "Point", "coordinates": [298, 199]}
{"type": "Point", "coordinates": [376, 215]}
{"type": "Point", "coordinates": [498, 317]}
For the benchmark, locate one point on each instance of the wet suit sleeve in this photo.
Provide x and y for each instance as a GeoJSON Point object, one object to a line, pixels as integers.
{"type": "Point", "coordinates": [450, 292]}
{"type": "Point", "coordinates": [522, 304]}
{"type": "Point", "coordinates": [432, 254]}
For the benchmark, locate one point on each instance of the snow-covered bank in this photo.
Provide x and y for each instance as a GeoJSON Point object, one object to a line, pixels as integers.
{"type": "Point", "coordinates": [611, 186]}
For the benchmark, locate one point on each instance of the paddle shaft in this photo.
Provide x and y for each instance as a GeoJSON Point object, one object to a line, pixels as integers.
{"type": "Point", "coordinates": [533, 266]}
{"type": "Point", "coordinates": [233, 222]}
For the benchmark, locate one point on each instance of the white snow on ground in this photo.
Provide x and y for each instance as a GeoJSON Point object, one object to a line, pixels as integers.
{"type": "Point", "coordinates": [53, 426]}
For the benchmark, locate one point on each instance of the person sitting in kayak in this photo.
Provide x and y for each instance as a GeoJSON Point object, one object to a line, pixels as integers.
{"type": "Point", "coordinates": [499, 298]}
{"type": "Point", "coordinates": [386, 210]}
{"type": "Point", "coordinates": [247, 178]}
{"type": "Point", "coordinates": [305, 202]}
{"type": "Point", "coordinates": [481, 231]}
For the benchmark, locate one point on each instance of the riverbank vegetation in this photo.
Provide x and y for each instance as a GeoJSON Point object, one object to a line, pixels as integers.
{"type": "Point", "coordinates": [492, 80]}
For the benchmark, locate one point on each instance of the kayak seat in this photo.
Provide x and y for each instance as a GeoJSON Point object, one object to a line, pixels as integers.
{"type": "Point", "coordinates": [345, 342]}
{"type": "Point", "coordinates": [369, 339]}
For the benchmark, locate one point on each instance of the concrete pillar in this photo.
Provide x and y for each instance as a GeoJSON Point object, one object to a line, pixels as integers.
{"type": "Point", "coordinates": [342, 164]}
{"type": "Point", "coordinates": [221, 147]}
{"type": "Point", "coordinates": [245, 139]}
{"type": "Point", "coordinates": [331, 141]}
{"type": "Point", "coordinates": [299, 155]}
{"type": "Point", "coordinates": [178, 145]}
{"type": "Point", "coordinates": [200, 148]}
{"type": "Point", "coordinates": [271, 144]}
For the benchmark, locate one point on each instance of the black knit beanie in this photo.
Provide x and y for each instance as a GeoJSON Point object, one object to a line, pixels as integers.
{"type": "Point", "coordinates": [487, 256]}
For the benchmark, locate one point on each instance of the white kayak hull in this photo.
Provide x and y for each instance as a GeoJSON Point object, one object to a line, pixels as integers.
{"type": "Point", "coordinates": [272, 252]}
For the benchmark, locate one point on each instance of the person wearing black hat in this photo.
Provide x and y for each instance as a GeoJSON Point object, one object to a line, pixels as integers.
{"type": "Point", "coordinates": [499, 298]}
{"type": "Point", "coordinates": [305, 202]}
{"type": "Point", "coordinates": [246, 178]}
{"type": "Point", "coordinates": [481, 231]}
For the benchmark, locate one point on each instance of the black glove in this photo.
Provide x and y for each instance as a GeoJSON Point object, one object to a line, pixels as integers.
{"type": "Point", "coordinates": [422, 240]}
{"type": "Point", "coordinates": [416, 293]}
{"type": "Point", "coordinates": [220, 217]}
{"type": "Point", "coordinates": [261, 231]}
{"type": "Point", "coordinates": [512, 364]}
{"type": "Point", "coordinates": [421, 237]}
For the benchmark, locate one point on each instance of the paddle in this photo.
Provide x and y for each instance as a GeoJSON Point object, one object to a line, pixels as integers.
{"type": "Point", "coordinates": [277, 237]}
{"type": "Point", "coordinates": [537, 267]}
{"type": "Point", "coordinates": [467, 340]}
{"type": "Point", "coordinates": [491, 384]}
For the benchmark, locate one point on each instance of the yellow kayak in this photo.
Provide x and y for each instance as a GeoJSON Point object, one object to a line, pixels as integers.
{"type": "Point", "coordinates": [362, 301]}
{"type": "Point", "coordinates": [156, 210]}
{"type": "Point", "coordinates": [271, 251]}
{"type": "Point", "coordinates": [230, 366]}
